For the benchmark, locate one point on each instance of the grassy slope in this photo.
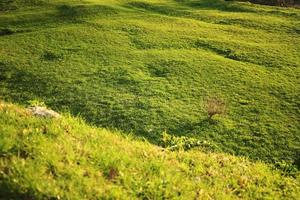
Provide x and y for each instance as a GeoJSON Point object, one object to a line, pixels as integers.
{"type": "Point", "coordinates": [67, 159]}
{"type": "Point", "coordinates": [147, 66]}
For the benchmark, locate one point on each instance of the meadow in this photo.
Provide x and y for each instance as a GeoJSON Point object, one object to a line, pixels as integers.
{"type": "Point", "coordinates": [146, 68]}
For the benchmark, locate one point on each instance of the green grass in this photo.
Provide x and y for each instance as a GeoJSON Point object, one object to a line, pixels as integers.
{"type": "Point", "coordinates": [66, 159]}
{"type": "Point", "coordinates": [147, 67]}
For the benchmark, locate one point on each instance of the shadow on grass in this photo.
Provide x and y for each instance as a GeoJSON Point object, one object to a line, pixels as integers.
{"type": "Point", "coordinates": [11, 191]}
{"type": "Point", "coordinates": [9, 31]}
{"type": "Point", "coordinates": [8, 191]}
{"type": "Point", "coordinates": [22, 85]}
{"type": "Point", "coordinates": [59, 14]}
{"type": "Point", "coordinates": [203, 125]}
{"type": "Point", "coordinates": [181, 10]}
{"type": "Point", "coordinates": [9, 5]}
{"type": "Point", "coordinates": [158, 8]}
{"type": "Point", "coordinates": [227, 6]}
{"type": "Point", "coordinates": [71, 12]}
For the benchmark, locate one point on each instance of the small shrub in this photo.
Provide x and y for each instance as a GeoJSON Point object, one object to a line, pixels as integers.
{"type": "Point", "coordinates": [215, 106]}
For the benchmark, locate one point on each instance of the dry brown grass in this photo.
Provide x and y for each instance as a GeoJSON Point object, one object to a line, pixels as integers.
{"type": "Point", "coordinates": [215, 106]}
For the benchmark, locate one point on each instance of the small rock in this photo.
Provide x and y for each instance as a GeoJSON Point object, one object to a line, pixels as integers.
{"type": "Point", "coordinates": [43, 112]}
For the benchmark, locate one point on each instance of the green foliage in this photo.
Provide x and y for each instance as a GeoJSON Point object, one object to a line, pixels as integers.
{"type": "Point", "coordinates": [184, 143]}
{"type": "Point", "coordinates": [66, 159]}
{"type": "Point", "coordinates": [289, 169]}
{"type": "Point", "coordinates": [36, 102]}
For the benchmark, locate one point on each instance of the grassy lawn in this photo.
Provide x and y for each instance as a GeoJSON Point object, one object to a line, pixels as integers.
{"type": "Point", "coordinates": [148, 66]}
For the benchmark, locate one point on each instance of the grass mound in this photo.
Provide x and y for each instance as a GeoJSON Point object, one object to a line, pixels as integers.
{"type": "Point", "coordinates": [66, 159]}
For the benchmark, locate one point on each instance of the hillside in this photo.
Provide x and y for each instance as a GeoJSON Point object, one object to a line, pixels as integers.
{"type": "Point", "coordinates": [148, 66]}
{"type": "Point", "coordinates": [66, 159]}
{"type": "Point", "coordinates": [148, 69]}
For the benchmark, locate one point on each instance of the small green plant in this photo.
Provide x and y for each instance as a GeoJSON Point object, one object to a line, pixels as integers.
{"type": "Point", "coordinates": [215, 106]}
{"type": "Point", "coordinates": [36, 102]}
{"type": "Point", "coordinates": [184, 143]}
{"type": "Point", "coordinates": [286, 168]}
